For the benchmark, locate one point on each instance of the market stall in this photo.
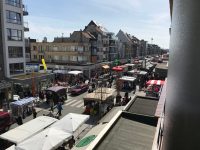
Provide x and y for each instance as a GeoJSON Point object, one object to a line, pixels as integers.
{"type": "Point", "coordinates": [48, 139]}
{"type": "Point", "coordinates": [57, 93]}
{"type": "Point", "coordinates": [99, 101]}
{"type": "Point", "coordinates": [131, 66]}
{"type": "Point", "coordinates": [22, 107]}
{"type": "Point", "coordinates": [54, 136]}
{"type": "Point", "coordinates": [75, 72]}
{"type": "Point", "coordinates": [128, 82]}
{"type": "Point", "coordinates": [154, 87]}
{"type": "Point", "coordinates": [25, 131]}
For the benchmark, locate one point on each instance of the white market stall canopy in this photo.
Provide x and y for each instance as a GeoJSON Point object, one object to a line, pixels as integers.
{"type": "Point", "coordinates": [100, 94]}
{"type": "Point", "coordinates": [55, 135]}
{"type": "Point", "coordinates": [138, 72]}
{"type": "Point", "coordinates": [28, 129]}
{"type": "Point", "coordinates": [48, 139]}
{"type": "Point", "coordinates": [142, 72]}
{"type": "Point", "coordinates": [130, 65]}
{"type": "Point", "coordinates": [127, 78]}
{"type": "Point", "coordinates": [70, 122]}
{"type": "Point", "coordinates": [11, 148]}
{"type": "Point", "coordinates": [75, 72]}
{"type": "Point", "coordinates": [60, 71]}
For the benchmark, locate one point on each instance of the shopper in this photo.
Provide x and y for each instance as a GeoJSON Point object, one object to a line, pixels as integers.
{"type": "Point", "coordinates": [59, 107]}
{"type": "Point", "coordinates": [34, 113]}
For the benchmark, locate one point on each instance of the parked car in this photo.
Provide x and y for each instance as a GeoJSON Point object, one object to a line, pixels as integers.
{"type": "Point", "coordinates": [5, 121]}
{"type": "Point", "coordinates": [79, 89]}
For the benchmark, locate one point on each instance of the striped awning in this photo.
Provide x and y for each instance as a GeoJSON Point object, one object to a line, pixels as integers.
{"type": "Point", "coordinates": [155, 82]}
{"type": "Point", "coordinates": [105, 66]}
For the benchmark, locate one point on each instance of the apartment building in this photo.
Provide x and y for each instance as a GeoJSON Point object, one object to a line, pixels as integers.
{"type": "Point", "coordinates": [102, 40]}
{"type": "Point", "coordinates": [113, 47]}
{"type": "Point", "coordinates": [126, 40]}
{"type": "Point", "coordinates": [12, 12]}
{"type": "Point", "coordinates": [61, 53]}
{"type": "Point", "coordinates": [142, 50]}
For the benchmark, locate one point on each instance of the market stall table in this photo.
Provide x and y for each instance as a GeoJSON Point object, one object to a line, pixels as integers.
{"type": "Point", "coordinates": [22, 106]}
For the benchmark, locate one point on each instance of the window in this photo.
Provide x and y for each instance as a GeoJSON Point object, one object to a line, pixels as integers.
{"type": "Point", "coordinates": [55, 48]}
{"type": "Point", "coordinates": [16, 3]}
{"type": "Point", "coordinates": [34, 48]}
{"type": "Point", "coordinates": [72, 48]}
{"type": "Point", "coordinates": [13, 17]}
{"type": "Point", "coordinates": [73, 58]}
{"type": "Point", "coordinates": [15, 52]}
{"type": "Point", "coordinates": [82, 58]}
{"type": "Point", "coordinates": [64, 58]}
{"type": "Point", "coordinates": [41, 57]}
{"type": "Point", "coordinates": [34, 56]}
{"type": "Point", "coordinates": [14, 35]}
{"type": "Point", "coordinates": [80, 49]}
{"type": "Point", "coordinates": [16, 68]}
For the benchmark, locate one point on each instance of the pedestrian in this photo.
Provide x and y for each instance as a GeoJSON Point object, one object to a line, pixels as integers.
{"type": "Point", "coordinates": [34, 113]}
{"type": "Point", "coordinates": [51, 103]}
{"type": "Point", "coordinates": [71, 142]}
{"type": "Point", "coordinates": [59, 107]}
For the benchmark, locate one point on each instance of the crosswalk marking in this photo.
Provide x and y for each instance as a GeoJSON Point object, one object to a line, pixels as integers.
{"type": "Point", "coordinates": [70, 102]}
{"type": "Point", "coordinates": [76, 103]}
{"type": "Point", "coordinates": [80, 105]}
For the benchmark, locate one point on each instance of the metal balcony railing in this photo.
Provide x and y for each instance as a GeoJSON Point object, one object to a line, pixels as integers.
{"type": "Point", "coordinates": [25, 11]}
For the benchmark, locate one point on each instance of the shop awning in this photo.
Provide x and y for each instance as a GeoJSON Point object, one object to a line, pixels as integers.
{"type": "Point", "coordinates": [131, 65]}
{"type": "Point", "coordinates": [105, 67]}
{"type": "Point", "coordinates": [56, 88]}
{"type": "Point", "coordinates": [127, 78]}
{"type": "Point", "coordinates": [155, 82]}
{"type": "Point", "coordinates": [75, 72]}
{"type": "Point", "coordinates": [117, 68]}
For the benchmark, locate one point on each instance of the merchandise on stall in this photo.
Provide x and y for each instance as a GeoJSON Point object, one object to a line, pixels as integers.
{"type": "Point", "coordinates": [23, 106]}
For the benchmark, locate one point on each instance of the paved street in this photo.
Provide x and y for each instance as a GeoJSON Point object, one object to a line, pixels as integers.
{"type": "Point", "coordinates": [75, 104]}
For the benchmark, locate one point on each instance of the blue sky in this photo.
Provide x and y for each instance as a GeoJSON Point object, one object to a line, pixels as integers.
{"type": "Point", "coordinates": [142, 18]}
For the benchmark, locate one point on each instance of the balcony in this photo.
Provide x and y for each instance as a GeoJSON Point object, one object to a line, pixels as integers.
{"type": "Point", "coordinates": [25, 12]}
{"type": "Point", "coordinates": [26, 28]}
{"type": "Point", "coordinates": [13, 3]}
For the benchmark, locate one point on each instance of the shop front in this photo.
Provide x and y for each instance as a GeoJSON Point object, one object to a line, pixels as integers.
{"type": "Point", "coordinates": [5, 94]}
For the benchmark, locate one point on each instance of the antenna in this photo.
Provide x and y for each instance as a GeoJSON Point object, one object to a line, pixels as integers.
{"type": "Point", "coordinates": [151, 40]}
{"type": "Point", "coordinates": [62, 36]}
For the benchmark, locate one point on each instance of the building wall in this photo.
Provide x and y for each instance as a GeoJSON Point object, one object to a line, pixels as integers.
{"type": "Point", "coordinates": [10, 42]}
{"type": "Point", "coordinates": [61, 52]}
{"type": "Point", "coordinates": [1, 46]}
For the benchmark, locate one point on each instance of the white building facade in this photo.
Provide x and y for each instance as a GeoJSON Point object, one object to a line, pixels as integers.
{"type": "Point", "coordinates": [12, 12]}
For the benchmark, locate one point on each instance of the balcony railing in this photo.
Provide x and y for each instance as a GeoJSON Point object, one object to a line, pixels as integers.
{"type": "Point", "coordinates": [13, 3]}
{"type": "Point", "coordinates": [25, 12]}
{"type": "Point", "coordinates": [26, 28]}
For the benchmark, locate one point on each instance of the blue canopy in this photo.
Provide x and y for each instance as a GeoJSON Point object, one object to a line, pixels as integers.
{"type": "Point", "coordinates": [23, 101]}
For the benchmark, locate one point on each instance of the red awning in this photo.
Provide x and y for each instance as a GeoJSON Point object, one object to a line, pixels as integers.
{"type": "Point", "coordinates": [117, 68]}
{"type": "Point", "coordinates": [155, 82]}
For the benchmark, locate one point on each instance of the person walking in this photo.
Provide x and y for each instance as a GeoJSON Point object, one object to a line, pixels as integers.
{"type": "Point", "coordinates": [34, 113]}
{"type": "Point", "coordinates": [51, 103]}
{"type": "Point", "coordinates": [71, 142]}
{"type": "Point", "coordinates": [59, 107]}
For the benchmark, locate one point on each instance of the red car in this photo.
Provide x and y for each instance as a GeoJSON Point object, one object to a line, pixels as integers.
{"type": "Point", "coordinates": [5, 121]}
{"type": "Point", "coordinates": [79, 89]}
